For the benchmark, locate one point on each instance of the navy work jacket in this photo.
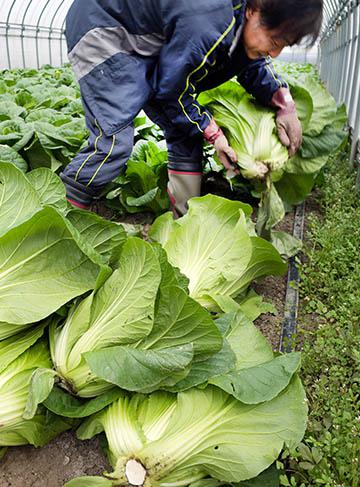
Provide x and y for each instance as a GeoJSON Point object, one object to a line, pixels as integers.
{"type": "Point", "coordinates": [127, 52]}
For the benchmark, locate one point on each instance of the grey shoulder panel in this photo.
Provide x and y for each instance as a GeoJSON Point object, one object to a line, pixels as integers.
{"type": "Point", "coordinates": [99, 44]}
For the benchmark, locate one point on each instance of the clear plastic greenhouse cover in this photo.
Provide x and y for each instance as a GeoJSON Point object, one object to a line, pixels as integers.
{"type": "Point", "coordinates": [31, 32]}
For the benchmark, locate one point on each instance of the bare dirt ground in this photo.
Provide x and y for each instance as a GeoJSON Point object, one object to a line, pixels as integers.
{"type": "Point", "coordinates": [273, 289]}
{"type": "Point", "coordinates": [59, 461]}
{"type": "Point", "coordinates": [66, 457]}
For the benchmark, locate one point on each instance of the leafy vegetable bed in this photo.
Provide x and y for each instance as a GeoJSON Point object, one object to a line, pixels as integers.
{"type": "Point", "coordinates": [144, 328]}
{"type": "Point", "coordinates": [150, 342]}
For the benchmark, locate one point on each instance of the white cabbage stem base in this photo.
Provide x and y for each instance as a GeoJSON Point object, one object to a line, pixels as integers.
{"type": "Point", "coordinates": [135, 472]}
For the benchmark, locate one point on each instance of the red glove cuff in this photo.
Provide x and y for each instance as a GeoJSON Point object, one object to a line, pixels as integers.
{"type": "Point", "coordinates": [283, 101]}
{"type": "Point", "coordinates": [212, 132]}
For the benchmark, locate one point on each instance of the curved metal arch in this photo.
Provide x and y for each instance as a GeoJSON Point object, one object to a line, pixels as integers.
{"type": "Point", "coordinates": [335, 11]}
{"type": "Point", "coordinates": [340, 60]}
{"type": "Point", "coordinates": [330, 7]}
{"type": "Point", "coordinates": [62, 36]}
{"type": "Point", "coordinates": [326, 12]}
{"type": "Point", "coordinates": [7, 28]}
{"type": "Point", "coordinates": [22, 31]}
{"type": "Point", "coordinates": [38, 30]}
{"type": "Point", "coordinates": [61, 3]}
{"type": "Point", "coordinates": [41, 22]}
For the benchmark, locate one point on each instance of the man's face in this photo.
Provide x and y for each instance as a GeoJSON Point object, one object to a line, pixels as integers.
{"type": "Point", "coordinates": [259, 41]}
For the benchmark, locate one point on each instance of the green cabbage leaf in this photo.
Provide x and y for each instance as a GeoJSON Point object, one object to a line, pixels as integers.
{"type": "Point", "coordinates": [140, 331]}
{"type": "Point", "coordinates": [214, 245]}
{"type": "Point", "coordinates": [163, 439]}
{"type": "Point", "coordinates": [21, 356]}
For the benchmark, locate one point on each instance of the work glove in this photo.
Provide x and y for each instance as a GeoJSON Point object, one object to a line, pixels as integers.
{"type": "Point", "coordinates": [227, 156]}
{"type": "Point", "coordinates": [287, 123]}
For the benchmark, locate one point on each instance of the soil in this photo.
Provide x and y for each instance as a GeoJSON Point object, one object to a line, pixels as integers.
{"type": "Point", "coordinates": [52, 465]}
{"type": "Point", "coordinates": [273, 289]}
{"type": "Point", "coordinates": [308, 322]}
{"type": "Point", "coordinates": [66, 457]}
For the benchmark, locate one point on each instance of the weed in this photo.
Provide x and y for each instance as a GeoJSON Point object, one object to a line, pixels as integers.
{"type": "Point", "coordinates": [330, 323]}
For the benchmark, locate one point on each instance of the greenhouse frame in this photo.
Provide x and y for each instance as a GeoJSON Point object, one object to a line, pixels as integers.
{"type": "Point", "coordinates": [32, 34]}
{"type": "Point", "coordinates": [179, 244]}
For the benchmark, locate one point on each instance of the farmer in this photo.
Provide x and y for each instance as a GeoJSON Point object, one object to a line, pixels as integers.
{"type": "Point", "coordinates": [157, 55]}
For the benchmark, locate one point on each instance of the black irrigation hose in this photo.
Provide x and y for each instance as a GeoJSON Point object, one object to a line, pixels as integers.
{"type": "Point", "coordinates": [288, 331]}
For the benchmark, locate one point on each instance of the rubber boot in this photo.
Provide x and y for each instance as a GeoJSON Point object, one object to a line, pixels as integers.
{"type": "Point", "coordinates": [181, 187]}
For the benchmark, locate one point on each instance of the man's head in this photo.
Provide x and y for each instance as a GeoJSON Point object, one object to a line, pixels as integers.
{"type": "Point", "coordinates": [273, 24]}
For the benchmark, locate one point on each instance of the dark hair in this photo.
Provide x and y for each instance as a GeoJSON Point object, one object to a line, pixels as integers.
{"type": "Point", "coordinates": [295, 19]}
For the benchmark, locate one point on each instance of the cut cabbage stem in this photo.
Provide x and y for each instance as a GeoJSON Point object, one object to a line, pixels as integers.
{"type": "Point", "coordinates": [263, 167]}
{"type": "Point", "coordinates": [135, 472]}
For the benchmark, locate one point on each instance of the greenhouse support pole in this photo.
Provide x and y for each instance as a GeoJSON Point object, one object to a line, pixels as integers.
{"type": "Point", "coordinates": [353, 55]}
{"type": "Point", "coordinates": [342, 61]}
{"type": "Point", "coordinates": [37, 32]}
{"type": "Point", "coordinates": [354, 107]}
{"type": "Point", "coordinates": [352, 99]}
{"type": "Point", "coordinates": [51, 27]}
{"type": "Point", "coordinates": [23, 30]}
{"type": "Point", "coordinates": [347, 54]}
{"type": "Point", "coordinates": [62, 36]}
{"type": "Point", "coordinates": [7, 28]}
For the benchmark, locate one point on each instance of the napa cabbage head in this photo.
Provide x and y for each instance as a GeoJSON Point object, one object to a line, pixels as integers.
{"type": "Point", "coordinates": [250, 129]}
{"type": "Point", "coordinates": [163, 440]}
{"type": "Point", "coordinates": [119, 313]}
{"type": "Point", "coordinates": [15, 378]}
{"type": "Point", "coordinates": [140, 330]}
{"type": "Point", "coordinates": [215, 247]}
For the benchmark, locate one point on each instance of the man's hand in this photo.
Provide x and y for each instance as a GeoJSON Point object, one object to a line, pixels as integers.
{"type": "Point", "coordinates": [227, 156]}
{"type": "Point", "coordinates": [287, 123]}
{"type": "Point", "coordinates": [289, 131]}
{"type": "Point", "coordinates": [225, 153]}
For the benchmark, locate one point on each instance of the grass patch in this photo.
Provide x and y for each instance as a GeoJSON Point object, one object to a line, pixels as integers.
{"type": "Point", "coordinates": [330, 324]}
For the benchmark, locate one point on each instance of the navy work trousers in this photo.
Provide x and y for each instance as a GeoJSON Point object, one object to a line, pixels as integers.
{"type": "Point", "coordinates": [105, 156]}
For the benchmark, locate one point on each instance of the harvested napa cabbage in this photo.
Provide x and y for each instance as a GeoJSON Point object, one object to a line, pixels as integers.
{"type": "Point", "coordinates": [165, 440]}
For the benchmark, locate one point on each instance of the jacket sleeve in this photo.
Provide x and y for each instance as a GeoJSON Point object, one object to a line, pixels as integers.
{"type": "Point", "coordinates": [183, 61]}
{"type": "Point", "coordinates": [260, 79]}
